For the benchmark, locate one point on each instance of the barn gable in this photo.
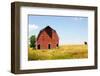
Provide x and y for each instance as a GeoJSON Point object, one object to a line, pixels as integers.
{"type": "Point", "coordinates": [48, 30]}
{"type": "Point", "coordinates": [47, 38]}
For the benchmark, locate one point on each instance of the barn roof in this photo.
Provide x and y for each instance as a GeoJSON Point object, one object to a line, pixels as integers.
{"type": "Point", "coordinates": [47, 27]}
{"type": "Point", "coordinates": [48, 30]}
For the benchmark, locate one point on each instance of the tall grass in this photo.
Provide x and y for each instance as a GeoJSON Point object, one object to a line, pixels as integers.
{"type": "Point", "coordinates": [63, 52]}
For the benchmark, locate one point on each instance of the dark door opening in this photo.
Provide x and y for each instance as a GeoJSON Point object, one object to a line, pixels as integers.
{"type": "Point", "coordinates": [38, 46]}
{"type": "Point", "coordinates": [49, 46]}
{"type": "Point", "coordinates": [57, 45]}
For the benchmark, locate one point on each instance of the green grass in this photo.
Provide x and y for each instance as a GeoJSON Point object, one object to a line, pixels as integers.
{"type": "Point", "coordinates": [63, 52]}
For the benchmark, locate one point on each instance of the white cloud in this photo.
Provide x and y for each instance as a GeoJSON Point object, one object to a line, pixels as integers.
{"type": "Point", "coordinates": [33, 27]}
{"type": "Point", "coordinates": [78, 18]}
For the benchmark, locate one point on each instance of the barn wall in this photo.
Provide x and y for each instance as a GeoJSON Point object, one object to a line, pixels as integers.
{"type": "Point", "coordinates": [44, 39]}
{"type": "Point", "coordinates": [55, 40]}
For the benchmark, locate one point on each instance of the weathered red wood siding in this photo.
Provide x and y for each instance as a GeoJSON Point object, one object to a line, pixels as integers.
{"type": "Point", "coordinates": [46, 37]}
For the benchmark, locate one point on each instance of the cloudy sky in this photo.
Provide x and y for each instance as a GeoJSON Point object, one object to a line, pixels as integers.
{"type": "Point", "coordinates": [70, 29]}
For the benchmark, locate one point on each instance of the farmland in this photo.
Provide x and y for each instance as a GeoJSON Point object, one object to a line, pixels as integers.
{"type": "Point", "coordinates": [62, 52]}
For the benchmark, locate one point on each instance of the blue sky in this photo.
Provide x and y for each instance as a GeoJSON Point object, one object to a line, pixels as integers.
{"type": "Point", "coordinates": [70, 29]}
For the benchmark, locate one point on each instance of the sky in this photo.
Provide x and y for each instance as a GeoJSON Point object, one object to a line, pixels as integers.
{"type": "Point", "coordinates": [70, 29]}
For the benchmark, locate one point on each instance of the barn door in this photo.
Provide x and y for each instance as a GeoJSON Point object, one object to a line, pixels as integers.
{"type": "Point", "coordinates": [39, 46]}
{"type": "Point", "coordinates": [57, 45]}
{"type": "Point", "coordinates": [49, 46]}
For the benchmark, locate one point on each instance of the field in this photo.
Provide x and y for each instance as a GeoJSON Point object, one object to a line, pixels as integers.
{"type": "Point", "coordinates": [62, 52]}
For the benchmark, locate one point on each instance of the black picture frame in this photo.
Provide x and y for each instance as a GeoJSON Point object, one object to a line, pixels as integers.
{"type": "Point", "coordinates": [15, 37]}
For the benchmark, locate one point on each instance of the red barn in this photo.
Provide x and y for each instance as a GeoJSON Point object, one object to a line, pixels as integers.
{"type": "Point", "coordinates": [47, 39]}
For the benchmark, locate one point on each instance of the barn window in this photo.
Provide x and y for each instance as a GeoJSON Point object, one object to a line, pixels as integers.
{"type": "Point", "coordinates": [38, 46]}
{"type": "Point", "coordinates": [49, 33]}
{"type": "Point", "coordinates": [49, 46]}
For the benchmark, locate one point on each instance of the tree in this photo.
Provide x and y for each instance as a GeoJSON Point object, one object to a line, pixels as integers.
{"type": "Point", "coordinates": [32, 41]}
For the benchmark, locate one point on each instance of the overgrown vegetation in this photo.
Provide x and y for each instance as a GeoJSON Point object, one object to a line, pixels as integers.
{"type": "Point", "coordinates": [63, 52]}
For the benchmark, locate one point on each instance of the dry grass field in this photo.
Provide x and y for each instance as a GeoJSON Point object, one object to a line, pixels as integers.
{"type": "Point", "coordinates": [62, 52]}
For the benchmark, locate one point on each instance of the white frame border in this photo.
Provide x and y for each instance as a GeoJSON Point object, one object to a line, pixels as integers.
{"type": "Point", "coordinates": [25, 64]}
